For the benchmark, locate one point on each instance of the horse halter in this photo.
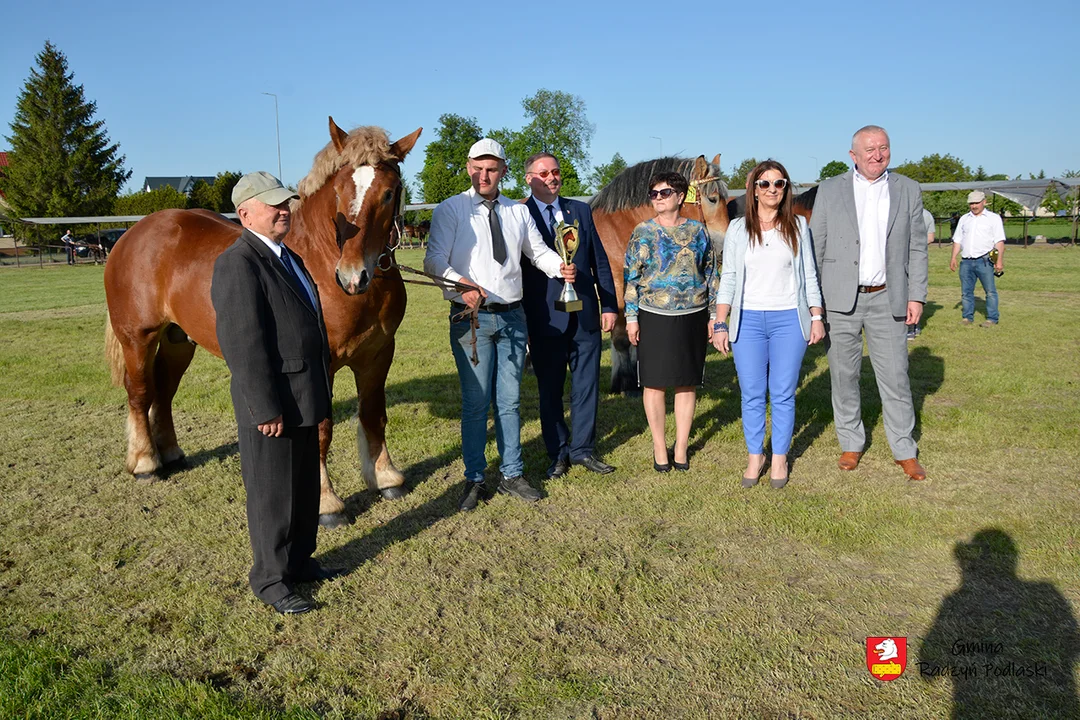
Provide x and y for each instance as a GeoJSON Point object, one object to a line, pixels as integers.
{"type": "Point", "coordinates": [386, 260]}
{"type": "Point", "coordinates": [697, 184]}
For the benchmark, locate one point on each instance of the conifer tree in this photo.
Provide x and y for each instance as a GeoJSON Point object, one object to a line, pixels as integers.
{"type": "Point", "coordinates": [61, 163]}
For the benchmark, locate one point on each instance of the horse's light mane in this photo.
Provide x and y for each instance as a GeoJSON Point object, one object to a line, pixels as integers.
{"type": "Point", "coordinates": [365, 145]}
{"type": "Point", "coordinates": [628, 188]}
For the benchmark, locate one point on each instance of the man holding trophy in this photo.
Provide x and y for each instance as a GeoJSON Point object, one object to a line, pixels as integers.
{"type": "Point", "coordinates": [566, 319]}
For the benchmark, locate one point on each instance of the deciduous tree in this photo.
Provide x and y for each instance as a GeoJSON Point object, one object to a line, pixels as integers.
{"type": "Point", "coordinates": [444, 172]}
{"type": "Point", "coordinates": [61, 162]}
{"type": "Point", "coordinates": [556, 123]}
{"type": "Point", "coordinates": [832, 169]}
{"type": "Point", "coordinates": [603, 174]}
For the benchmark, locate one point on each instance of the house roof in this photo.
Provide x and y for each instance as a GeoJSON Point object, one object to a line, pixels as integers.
{"type": "Point", "coordinates": [3, 159]}
{"type": "Point", "coordinates": [183, 183]}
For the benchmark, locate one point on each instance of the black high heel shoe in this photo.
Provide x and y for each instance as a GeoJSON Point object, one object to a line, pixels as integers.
{"type": "Point", "coordinates": [666, 467]}
{"type": "Point", "coordinates": [682, 467]}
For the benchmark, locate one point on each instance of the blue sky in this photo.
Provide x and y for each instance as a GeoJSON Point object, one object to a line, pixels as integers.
{"type": "Point", "coordinates": [179, 84]}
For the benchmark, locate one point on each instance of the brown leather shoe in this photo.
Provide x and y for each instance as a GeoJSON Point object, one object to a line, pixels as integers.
{"type": "Point", "coordinates": [912, 468]}
{"type": "Point", "coordinates": [849, 460]}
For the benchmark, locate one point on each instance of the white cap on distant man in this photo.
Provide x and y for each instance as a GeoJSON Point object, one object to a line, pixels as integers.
{"type": "Point", "coordinates": [976, 196]}
{"type": "Point", "coordinates": [486, 148]}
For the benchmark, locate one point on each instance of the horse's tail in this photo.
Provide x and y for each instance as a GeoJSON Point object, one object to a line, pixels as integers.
{"type": "Point", "coordinates": [114, 353]}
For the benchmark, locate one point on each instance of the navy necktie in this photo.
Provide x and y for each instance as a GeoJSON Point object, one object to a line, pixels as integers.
{"type": "Point", "coordinates": [294, 273]}
{"type": "Point", "coordinates": [551, 218]}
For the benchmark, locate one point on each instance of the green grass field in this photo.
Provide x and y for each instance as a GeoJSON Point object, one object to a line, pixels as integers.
{"type": "Point", "coordinates": [633, 595]}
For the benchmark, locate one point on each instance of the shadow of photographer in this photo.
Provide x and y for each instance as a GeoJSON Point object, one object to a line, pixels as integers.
{"type": "Point", "coordinates": [1008, 645]}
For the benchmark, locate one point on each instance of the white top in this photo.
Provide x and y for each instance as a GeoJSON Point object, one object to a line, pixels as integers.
{"type": "Point", "coordinates": [977, 234]}
{"type": "Point", "coordinates": [276, 248]}
{"type": "Point", "coordinates": [928, 220]}
{"type": "Point", "coordinates": [770, 275]}
{"type": "Point", "coordinates": [872, 209]}
{"type": "Point", "coordinates": [460, 246]}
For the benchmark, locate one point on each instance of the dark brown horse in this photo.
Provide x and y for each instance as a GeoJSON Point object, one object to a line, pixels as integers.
{"type": "Point", "coordinates": [157, 284]}
{"type": "Point", "coordinates": [617, 210]}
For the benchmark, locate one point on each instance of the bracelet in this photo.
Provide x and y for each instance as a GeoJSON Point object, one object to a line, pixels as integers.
{"type": "Point", "coordinates": [816, 317]}
{"type": "Point", "coordinates": [720, 327]}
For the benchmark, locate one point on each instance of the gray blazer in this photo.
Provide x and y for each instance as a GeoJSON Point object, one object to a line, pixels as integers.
{"type": "Point", "coordinates": [835, 227]}
{"type": "Point", "coordinates": [807, 292]}
{"type": "Point", "coordinates": [274, 343]}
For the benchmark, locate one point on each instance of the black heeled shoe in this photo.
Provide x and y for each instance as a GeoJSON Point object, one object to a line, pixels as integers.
{"type": "Point", "coordinates": [682, 467]}
{"type": "Point", "coordinates": [666, 467]}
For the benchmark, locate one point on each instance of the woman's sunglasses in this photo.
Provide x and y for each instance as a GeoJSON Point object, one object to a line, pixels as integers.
{"type": "Point", "coordinates": [665, 193]}
{"type": "Point", "coordinates": [778, 184]}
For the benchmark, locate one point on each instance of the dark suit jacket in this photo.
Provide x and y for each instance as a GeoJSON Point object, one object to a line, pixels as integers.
{"type": "Point", "coordinates": [274, 343]}
{"type": "Point", "coordinates": [834, 225]}
{"type": "Point", "coordinates": [593, 276]}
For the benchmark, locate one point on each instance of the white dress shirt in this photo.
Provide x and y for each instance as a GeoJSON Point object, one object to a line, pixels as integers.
{"type": "Point", "coordinates": [977, 234]}
{"type": "Point", "coordinates": [872, 209]}
{"type": "Point", "coordinates": [276, 248]}
{"type": "Point", "coordinates": [460, 246]}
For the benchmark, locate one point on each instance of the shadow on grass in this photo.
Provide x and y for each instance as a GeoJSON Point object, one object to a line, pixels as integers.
{"type": "Point", "coordinates": [813, 402]}
{"type": "Point", "coordinates": [190, 462]}
{"type": "Point", "coordinates": [1007, 645]}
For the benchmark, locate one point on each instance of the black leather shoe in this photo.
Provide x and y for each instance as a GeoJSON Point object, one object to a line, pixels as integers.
{"type": "Point", "coordinates": [666, 467]}
{"type": "Point", "coordinates": [474, 492]}
{"type": "Point", "coordinates": [517, 487]}
{"type": "Point", "coordinates": [559, 468]}
{"type": "Point", "coordinates": [292, 604]}
{"type": "Point", "coordinates": [321, 573]}
{"type": "Point", "coordinates": [595, 464]}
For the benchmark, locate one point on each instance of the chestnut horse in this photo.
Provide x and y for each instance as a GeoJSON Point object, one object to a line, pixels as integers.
{"type": "Point", "coordinates": [157, 284]}
{"type": "Point", "coordinates": [622, 204]}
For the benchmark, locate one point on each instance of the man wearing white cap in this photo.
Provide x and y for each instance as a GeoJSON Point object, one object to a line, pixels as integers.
{"type": "Point", "coordinates": [976, 235]}
{"type": "Point", "coordinates": [477, 239]}
{"type": "Point", "coordinates": [271, 332]}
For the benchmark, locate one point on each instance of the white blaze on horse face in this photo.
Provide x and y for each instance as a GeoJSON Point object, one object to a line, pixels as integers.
{"type": "Point", "coordinates": [363, 177]}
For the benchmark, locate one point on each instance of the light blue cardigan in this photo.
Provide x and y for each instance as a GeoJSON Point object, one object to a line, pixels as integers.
{"type": "Point", "coordinates": [807, 290]}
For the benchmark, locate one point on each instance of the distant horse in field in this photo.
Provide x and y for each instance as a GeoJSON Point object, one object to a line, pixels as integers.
{"type": "Point", "coordinates": [622, 204]}
{"type": "Point", "coordinates": [157, 284]}
{"type": "Point", "coordinates": [413, 232]}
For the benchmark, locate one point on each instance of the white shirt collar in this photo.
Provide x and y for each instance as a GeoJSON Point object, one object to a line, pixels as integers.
{"type": "Point", "coordinates": [862, 178]}
{"type": "Point", "coordinates": [274, 247]}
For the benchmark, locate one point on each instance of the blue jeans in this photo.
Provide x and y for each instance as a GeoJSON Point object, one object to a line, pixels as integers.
{"type": "Point", "coordinates": [983, 269]}
{"type": "Point", "coordinates": [500, 347]}
{"type": "Point", "coordinates": [768, 352]}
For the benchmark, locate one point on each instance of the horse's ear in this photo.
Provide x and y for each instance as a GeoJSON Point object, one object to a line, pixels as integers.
{"type": "Point", "coordinates": [701, 168]}
{"type": "Point", "coordinates": [716, 161]}
{"type": "Point", "coordinates": [337, 135]}
{"type": "Point", "coordinates": [402, 147]}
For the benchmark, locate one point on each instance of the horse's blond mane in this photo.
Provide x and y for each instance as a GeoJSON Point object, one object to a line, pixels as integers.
{"type": "Point", "coordinates": [366, 145]}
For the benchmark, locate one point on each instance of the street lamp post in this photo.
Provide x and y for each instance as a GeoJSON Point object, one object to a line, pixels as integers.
{"type": "Point", "coordinates": [661, 144]}
{"type": "Point", "coordinates": [277, 129]}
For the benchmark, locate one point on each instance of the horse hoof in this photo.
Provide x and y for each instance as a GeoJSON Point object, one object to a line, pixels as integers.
{"type": "Point", "coordinates": [393, 493]}
{"type": "Point", "coordinates": [333, 520]}
{"type": "Point", "coordinates": [147, 478]}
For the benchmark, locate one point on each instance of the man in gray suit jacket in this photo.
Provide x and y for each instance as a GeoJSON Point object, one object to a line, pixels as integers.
{"type": "Point", "coordinates": [870, 246]}
{"type": "Point", "coordinates": [271, 332]}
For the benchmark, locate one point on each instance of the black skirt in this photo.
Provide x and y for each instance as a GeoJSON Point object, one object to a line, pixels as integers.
{"type": "Point", "coordinates": [671, 349]}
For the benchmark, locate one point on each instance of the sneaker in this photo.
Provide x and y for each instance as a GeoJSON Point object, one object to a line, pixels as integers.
{"type": "Point", "coordinates": [517, 487]}
{"type": "Point", "coordinates": [988, 323]}
{"type": "Point", "coordinates": [965, 321]}
{"type": "Point", "coordinates": [911, 335]}
{"type": "Point", "coordinates": [474, 491]}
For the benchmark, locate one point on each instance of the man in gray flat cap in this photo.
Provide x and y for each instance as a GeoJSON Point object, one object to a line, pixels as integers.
{"type": "Point", "coordinates": [978, 234]}
{"type": "Point", "coordinates": [271, 332]}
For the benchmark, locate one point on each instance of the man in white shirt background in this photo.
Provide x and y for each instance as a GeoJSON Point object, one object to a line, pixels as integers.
{"type": "Point", "coordinates": [478, 238]}
{"type": "Point", "coordinates": [976, 235]}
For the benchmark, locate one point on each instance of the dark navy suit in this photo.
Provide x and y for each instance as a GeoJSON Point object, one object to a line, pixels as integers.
{"type": "Point", "coordinates": [558, 340]}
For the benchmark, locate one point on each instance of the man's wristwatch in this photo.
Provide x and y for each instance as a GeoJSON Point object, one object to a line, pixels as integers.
{"type": "Point", "coordinates": [719, 327]}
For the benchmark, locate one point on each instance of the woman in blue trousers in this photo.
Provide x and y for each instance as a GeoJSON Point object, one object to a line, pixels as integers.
{"type": "Point", "coordinates": [770, 288]}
